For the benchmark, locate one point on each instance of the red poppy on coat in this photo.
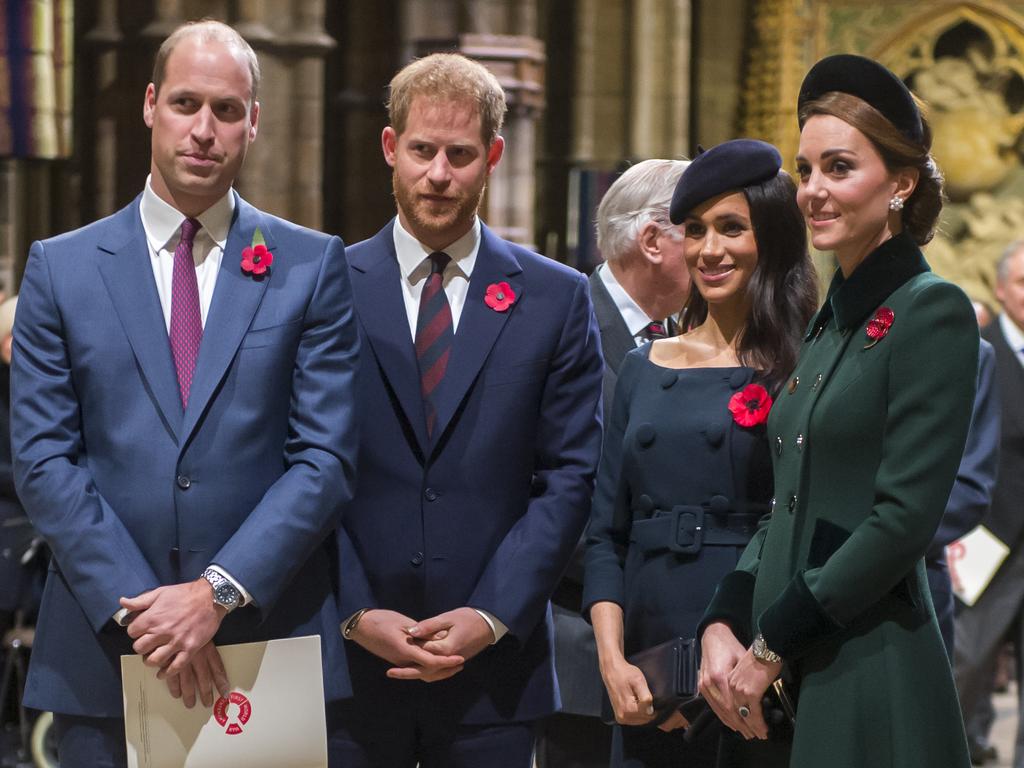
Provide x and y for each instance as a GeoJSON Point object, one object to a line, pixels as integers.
{"type": "Point", "coordinates": [256, 259]}
{"type": "Point", "coordinates": [750, 406]}
{"type": "Point", "coordinates": [499, 296]}
{"type": "Point", "coordinates": [879, 325]}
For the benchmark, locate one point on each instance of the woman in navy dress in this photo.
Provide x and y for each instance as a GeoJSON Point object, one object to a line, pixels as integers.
{"type": "Point", "coordinates": [686, 472]}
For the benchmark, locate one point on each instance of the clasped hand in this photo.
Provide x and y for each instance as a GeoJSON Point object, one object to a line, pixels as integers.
{"type": "Point", "coordinates": [172, 628]}
{"type": "Point", "coordinates": [430, 650]}
{"type": "Point", "coordinates": [731, 677]}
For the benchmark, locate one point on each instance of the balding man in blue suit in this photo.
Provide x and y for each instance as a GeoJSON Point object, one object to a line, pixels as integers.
{"type": "Point", "coordinates": [479, 389]}
{"type": "Point", "coordinates": [182, 425]}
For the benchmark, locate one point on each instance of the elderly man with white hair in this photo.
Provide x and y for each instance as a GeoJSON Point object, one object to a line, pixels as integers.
{"type": "Point", "coordinates": [638, 293]}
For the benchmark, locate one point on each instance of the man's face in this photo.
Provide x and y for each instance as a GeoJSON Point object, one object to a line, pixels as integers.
{"type": "Point", "coordinates": [440, 167]}
{"type": "Point", "coordinates": [1010, 291]}
{"type": "Point", "coordinates": [201, 122]}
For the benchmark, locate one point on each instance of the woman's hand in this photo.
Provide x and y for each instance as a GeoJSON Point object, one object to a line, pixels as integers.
{"type": "Point", "coordinates": [748, 681]}
{"type": "Point", "coordinates": [675, 720]}
{"type": "Point", "coordinates": [627, 689]}
{"type": "Point", "coordinates": [720, 653]}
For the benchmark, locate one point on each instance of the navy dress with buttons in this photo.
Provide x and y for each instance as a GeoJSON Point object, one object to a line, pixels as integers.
{"type": "Point", "coordinates": [674, 461]}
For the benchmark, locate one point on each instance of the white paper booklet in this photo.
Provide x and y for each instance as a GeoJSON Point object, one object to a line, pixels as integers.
{"type": "Point", "coordinates": [274, 717]}
{"type": "Point", "coordinates": [973, 560]}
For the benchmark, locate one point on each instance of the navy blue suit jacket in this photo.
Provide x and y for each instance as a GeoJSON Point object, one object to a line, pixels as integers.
{"type": "Point", "coordinates": [486, 512]}
{"type": "Point", "coordinates": [131, 492]}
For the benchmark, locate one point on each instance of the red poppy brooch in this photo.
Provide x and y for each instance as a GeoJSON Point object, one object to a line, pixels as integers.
{"type": "Point", "coordinates": [750, 406]}
{"type": "Point", "coordinates": [499, 296]}
{"type": "Point", "coordinates": [256, 259]}
{"type": "Point", "coordinates": [878, 326]}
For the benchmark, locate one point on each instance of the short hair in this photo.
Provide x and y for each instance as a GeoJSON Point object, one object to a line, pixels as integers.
{"type": "Point", "coordinates": [1003, 264]}
{"type": "Point", "coordinates": [921, 210]}
{"type": "Point", "coordinates": [640, 195]}
{"type": "Point", "coordinates": [449, 77]}
{"type": "Point", "coordinates": [206, 30]}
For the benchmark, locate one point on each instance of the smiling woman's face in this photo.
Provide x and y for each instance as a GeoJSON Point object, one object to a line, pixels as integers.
{"type": "Point", "coordinates": [721, 252]}
{"type": "Point", "coordinates": [844, 189]}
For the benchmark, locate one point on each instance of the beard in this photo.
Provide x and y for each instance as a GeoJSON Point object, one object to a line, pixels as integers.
{"type": "Point", "coordinates": [426, 218]}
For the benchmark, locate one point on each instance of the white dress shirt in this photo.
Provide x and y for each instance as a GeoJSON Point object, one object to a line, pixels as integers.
{"type": "Point", "coordinates": [1014, 336]}
{"type": "Point", "coordinates": [162, 225]}
{"type": "Point", "coordinates": [414, 264]}
{"type": "Point", "coordinates": [635, 318]}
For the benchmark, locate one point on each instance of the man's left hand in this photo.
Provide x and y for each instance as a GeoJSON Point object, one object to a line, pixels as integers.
{"type": "Point", "coordinates": [172, 623]}
{"type": "Point", "coordinates": [467, 633]}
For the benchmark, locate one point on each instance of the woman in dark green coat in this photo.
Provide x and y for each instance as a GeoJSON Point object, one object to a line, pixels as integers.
{"type": "Point", "coordinates": [866, 438]}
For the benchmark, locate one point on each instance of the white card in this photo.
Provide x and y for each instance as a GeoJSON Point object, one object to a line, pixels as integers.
{"type": "Point", "coordinates": [973, 560]}
{"type": "Point", "coordinates": [274, 716]}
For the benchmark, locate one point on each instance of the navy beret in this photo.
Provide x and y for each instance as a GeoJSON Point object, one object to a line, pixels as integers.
{"type": "Point", "coordinates": [730, 166]}
{"type": "Point", "coordinates": [868, 80]}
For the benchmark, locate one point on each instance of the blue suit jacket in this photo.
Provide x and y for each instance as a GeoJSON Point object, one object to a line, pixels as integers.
{"type": "Point", "coordinates": [487, 512]}
{"type": "Point", "coordinates": [131, 492]}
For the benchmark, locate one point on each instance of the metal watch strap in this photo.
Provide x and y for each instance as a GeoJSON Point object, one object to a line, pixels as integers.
{"type": "Point", "coordinates": [225, 594]}
{"type": "Point", "coordinates": [763, 653]}
{"type": "Point", "coordinates": [351, 624]}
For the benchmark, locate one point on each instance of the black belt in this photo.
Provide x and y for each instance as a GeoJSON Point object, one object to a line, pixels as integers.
{"type": "Point", "coordinates": [685, 529]}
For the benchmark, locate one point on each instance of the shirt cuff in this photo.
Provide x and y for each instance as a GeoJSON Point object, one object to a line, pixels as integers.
{"type": "Point", "coordinates": [497, 627]}
{"type": "Point", "coordinates": [246, 597]}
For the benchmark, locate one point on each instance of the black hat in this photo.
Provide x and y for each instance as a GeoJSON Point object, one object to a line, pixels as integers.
{"type": "Point", "coordinates": [731, 165]}
{"type": "Point", "coordinates": [868, 80]}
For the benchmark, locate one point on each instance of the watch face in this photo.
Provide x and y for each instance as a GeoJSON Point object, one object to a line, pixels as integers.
{"type": "Point", "coordinates": [225, 593]}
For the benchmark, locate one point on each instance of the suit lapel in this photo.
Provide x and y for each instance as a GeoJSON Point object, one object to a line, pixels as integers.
{"type": "Point", "coordinates": [236, 298]}
{"type": "Point", "coordinates": [616, 340]}
{"type": "Point", "coordinates": [479, 325]}
{"type": "Point", "coordinates": [376, 281]}
{"type": "Point", "coordinates": [1009, 372]}
{"type": "Point", "coordinates": [128, 276]}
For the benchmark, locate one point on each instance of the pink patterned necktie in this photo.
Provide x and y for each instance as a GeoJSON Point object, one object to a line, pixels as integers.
{"type": "Point", "coordinates": [186, 331]}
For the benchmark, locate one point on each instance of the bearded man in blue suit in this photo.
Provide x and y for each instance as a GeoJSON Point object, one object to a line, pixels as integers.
{"type": "Point", "coordinates": [480, 389]}
{"type": "Point", "coordinates": [182, 416]}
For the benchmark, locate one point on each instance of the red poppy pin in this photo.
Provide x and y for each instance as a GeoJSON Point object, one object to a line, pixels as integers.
{"type": "Point", "coordinates": [499, 296]}
{"type": "Point", "coordinates": [256, 259]}
{"type": "Point", "coordinates": [750, 406]}
{"type": "Point", "coordinates": [878, 326]}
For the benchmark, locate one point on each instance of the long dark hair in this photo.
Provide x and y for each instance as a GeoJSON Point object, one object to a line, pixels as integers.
{"type": "Point", "coordinates": [783, 289]}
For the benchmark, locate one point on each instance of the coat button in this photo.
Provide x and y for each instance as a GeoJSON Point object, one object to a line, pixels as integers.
{"type": "Point", "coordinates": [771, 505]}
{"type": "Point", "coordinates": [737, 379]}
{"type": "Point", "coordinates": [644, 504]}
{"type": "Point", "coordinates": [817, 381]}
{"type": "Point", "coordinates": [714, 433]}
{"type": "Point", "coordinates": [800, 442]}
{"type": "Point", "coordinates": [184, 483]}
{"type": "Point", "coordinates": [645, 435]}
{"type": "Point", "coordinates": [669, 379]}
{"type": "Point", "coordinates": [792, 503]}
{"type": "Point", "coordinates": [793, 384]}
{"type": "Point", "coordinates": [719, 503]}
{"type": "Point", "coordinates": [778, 444]}
{"type": "Point", "coordinates": [417, 559]}
{"type": "Point", "coordinates": [430, 494]}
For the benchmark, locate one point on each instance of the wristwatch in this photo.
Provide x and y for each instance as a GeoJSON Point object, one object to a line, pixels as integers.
{"type": "Point", "coordinates": [225, 594]}
{"type": "Point", "coordinates": [762, 652]}
{"type": "Point", "coordinates": [351, 624]}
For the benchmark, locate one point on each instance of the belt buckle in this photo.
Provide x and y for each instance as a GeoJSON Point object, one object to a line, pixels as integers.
{"type": "Point", "coordinates": [687, 523]}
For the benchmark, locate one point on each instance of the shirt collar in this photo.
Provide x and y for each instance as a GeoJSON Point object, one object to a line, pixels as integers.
{"type": "Point", "coordinates": [635, 318]}
{"type": "Point", "coordinates": [162, 221]}
{"type": "Point", "coordinates": [1014, 335]}
{"type": "Point", "coordinates": [412, 254]}
{"type": "Point", "coordinates": [885, 269]}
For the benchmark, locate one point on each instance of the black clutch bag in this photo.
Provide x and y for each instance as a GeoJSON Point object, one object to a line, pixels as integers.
{"type": "Point", "coordinates": [670, 669]}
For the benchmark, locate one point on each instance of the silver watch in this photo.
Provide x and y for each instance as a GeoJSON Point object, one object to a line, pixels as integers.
{"type": "Point", "coordinates": [762, 652]}
{"type": "Point", "coordinates": [225, 594]}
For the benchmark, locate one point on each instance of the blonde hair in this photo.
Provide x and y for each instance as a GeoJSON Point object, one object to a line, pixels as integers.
{"type": "Point", "coordinates": [449, 77]}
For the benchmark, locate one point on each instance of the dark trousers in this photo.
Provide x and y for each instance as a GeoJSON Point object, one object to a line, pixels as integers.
{"type": "Point", "coordinates": [90, 742]}
{"type": "Point", "coordinates": [410, 736]}
{"type": "Point", "coordinates": [573, 741]}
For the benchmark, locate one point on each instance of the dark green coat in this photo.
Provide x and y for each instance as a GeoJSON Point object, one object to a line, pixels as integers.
{"type": "Point", "coordinates": [866, 439]}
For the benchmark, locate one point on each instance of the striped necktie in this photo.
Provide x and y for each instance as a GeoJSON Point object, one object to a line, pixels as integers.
{"type": "Point", "coordinates": [434, 335]}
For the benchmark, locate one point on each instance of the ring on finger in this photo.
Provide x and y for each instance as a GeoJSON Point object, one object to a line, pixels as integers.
{"type": "Point", "coordinates": [744, 711]}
